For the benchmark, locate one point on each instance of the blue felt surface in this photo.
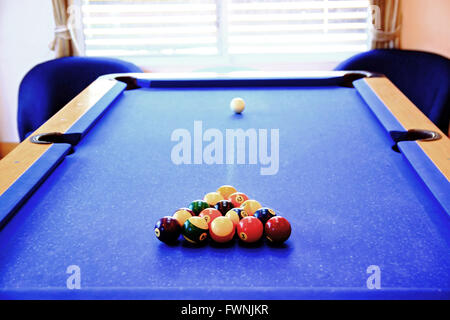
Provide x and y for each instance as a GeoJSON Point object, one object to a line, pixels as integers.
{"type": "Point", "coordinates": [352, 202]}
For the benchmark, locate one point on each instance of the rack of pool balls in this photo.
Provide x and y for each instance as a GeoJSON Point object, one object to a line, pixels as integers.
{"type": "Point", "coordinates": [221, 215]}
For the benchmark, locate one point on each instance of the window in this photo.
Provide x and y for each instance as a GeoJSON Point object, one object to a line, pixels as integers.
{"type": "Point", "coordinates": [225, 32]}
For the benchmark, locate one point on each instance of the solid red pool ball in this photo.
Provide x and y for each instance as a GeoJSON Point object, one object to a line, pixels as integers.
{"type": "Point", "coordinates": [224, 206]}
{"type": "Point", "coordinates": [209, 215]}
{"type": "Point", "coordinates": [167, 229]}
{"type": "Point", "coordinates": [238, 198]}
{"type": "Point", "coordinates": [250, 229]}
{"type": "Point", "coordinates": [277, 229]}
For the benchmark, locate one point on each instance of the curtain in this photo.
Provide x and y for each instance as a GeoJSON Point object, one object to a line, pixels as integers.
{"type": "Point", "coordinates": [386, 21]}
{"type": "Point", "coordinates": [67, 20]}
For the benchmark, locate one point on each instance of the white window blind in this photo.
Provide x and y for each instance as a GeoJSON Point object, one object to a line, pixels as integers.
{"type": "Point", "coordinates": [149, 28]}
{"type": "Point", "coordinates": [224, 28]}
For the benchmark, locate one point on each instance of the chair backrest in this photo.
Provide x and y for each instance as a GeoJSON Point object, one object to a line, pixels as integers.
{"type": "Point", "coordinates": [423, 77]}
{"type": "Point", "coordinates": [49, 86]}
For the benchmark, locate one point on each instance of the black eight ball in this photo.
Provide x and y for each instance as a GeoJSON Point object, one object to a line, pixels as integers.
{"type": "Point", "coordinates": [224, 206]}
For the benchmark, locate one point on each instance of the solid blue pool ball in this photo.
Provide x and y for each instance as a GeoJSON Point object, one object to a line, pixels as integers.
{"type": "Point", "coordinates": [264, 214]}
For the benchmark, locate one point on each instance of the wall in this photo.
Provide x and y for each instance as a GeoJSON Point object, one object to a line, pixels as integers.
{"type": "Point", "coordinates": [426, 26]}
{"type": "Point", "coordinates": [26, 29]}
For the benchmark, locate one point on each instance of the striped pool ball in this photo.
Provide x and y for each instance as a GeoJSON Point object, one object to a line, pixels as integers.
{"type": "Point", "coordinates": [209, 215]}
{"type": "Point", "coordinates": [167, 229]}
{"type": "Point", "coordinates": [277, 230]}
{"type": "Point", "coordinates": [250, 229]}
{"type": "Point", "coordinates": [198, 206]}
{"type": "Point", "coordinates": [224, 206]}
{"type": "Point", "coordinates": [250, 206]}
{"type": "Point", "coordinates": [238, 198]}
{"type": "Point", "coordinates": [264, 214]}
{"type": "Point", "coordinates": [195, 230]}
{"type": "Point", "coordinates": [212, 198]}
{"type": "Point", "coordinates": [226, 191]}
{"type": "Point", "coordinates": [240, 212]}
{"type": "Point", "coordinates": [222, 229]}
{"type": "Point", "coordinates": [182, 215]}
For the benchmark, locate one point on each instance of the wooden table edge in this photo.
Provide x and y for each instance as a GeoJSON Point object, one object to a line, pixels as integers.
{"type": "Point", "coordinates": [22, 157]}
{"type": "Point", "coordinates": [410, 117]}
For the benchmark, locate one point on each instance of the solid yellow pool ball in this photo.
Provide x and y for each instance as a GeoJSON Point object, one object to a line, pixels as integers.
{"type": "Point", "coordinates": [233, 216]}
{"type": "Point", "coordinates": [237, 105]}
{"type": "Point", "coordinates": [212, 198]}
{"type": "Point", "coordinates": [250, 206]}
{"type": "Point", "coordinates": [222, 229]}
{"type": "Point", "coordinates": [226, 191]}
{"type": "Point", "coordinates": [182, 215]}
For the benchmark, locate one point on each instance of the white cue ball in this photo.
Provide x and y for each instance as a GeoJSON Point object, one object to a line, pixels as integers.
{"type": "Point", "coordinates": [237, 105]}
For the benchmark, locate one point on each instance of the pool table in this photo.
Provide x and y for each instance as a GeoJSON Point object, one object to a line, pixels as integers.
{"type": "Point", "coordinates": [361, 174]}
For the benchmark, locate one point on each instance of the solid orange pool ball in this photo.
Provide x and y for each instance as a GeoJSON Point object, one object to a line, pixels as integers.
{"type": "Point", "coordinates": [222, 229]}
{"type": "Point", "coordinates": [277, 229]}
{"type": "Point", "coordinates": [250, 206]}
{"type": "Point", "coordinates": [238, 198]}
{"type": "Point", "coordinates": [226, 191]}
{"type": "Point", "coordinates": [250, 229]}
{"type": "Point", "coordinates": [209, 215]}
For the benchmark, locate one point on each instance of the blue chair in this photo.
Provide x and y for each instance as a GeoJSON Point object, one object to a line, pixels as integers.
{"type": "Point", "coordinates": [49, 86]}
{"type": "Point", "coordinates": [423, 77]}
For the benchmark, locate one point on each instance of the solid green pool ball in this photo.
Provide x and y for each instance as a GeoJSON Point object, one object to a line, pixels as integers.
{"type": "Point", "coordinates": [198, 206]}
